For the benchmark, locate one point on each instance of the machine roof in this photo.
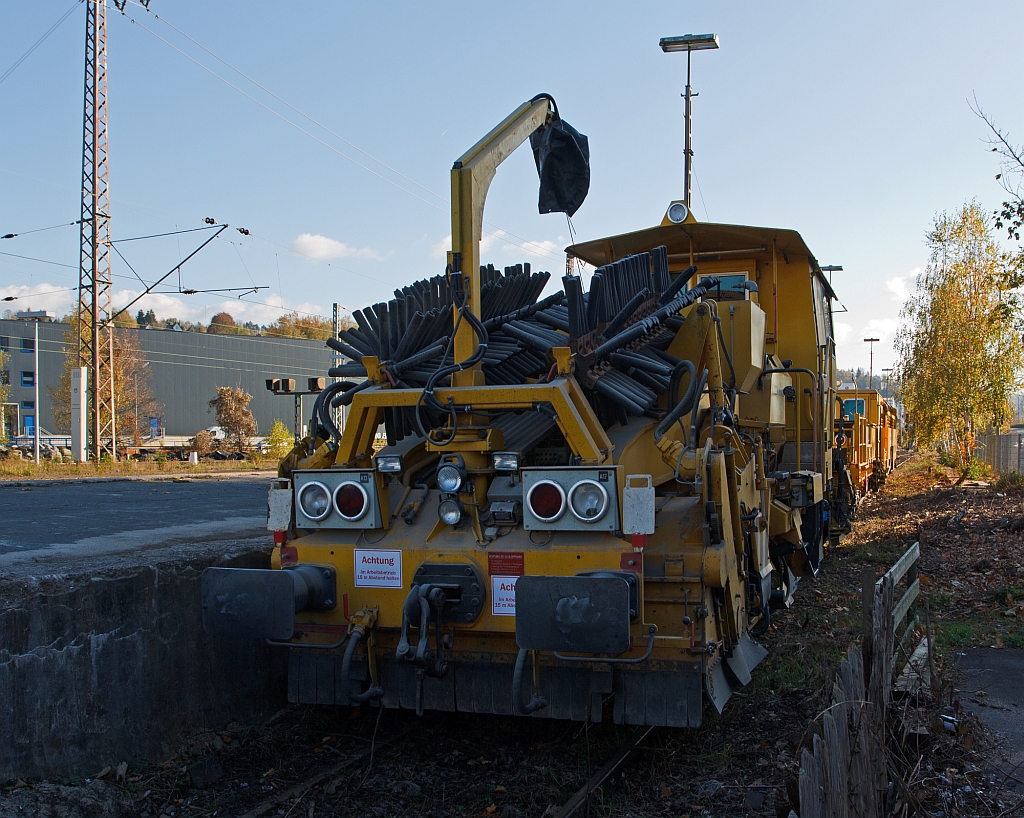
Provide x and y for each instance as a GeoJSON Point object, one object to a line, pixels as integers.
{"type": "Point", "coordinates": [708, 238]}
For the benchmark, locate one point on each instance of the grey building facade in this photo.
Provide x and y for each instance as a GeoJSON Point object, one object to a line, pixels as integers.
{"type": "Point", "coordinates": [184, 370]}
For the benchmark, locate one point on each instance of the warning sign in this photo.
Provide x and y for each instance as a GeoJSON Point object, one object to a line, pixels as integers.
{"type": "Point", "coordinates": [505, 563]}
{"type": "Point", "coordinates": [378, 569]}
{"type": "Point", "coordinates": [503, 596]}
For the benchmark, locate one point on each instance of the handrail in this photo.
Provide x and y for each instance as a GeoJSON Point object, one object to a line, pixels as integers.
{"type": "Point", "coordinates": [815, 395]}
{"type": "Point", "coordinates": [608, 661]}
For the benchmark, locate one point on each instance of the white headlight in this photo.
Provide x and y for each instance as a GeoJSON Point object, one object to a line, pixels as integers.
{"type": "Point", "coordinates": [449, 478]}
{"type": "Point", "coordinates": [588, 501]}
{"type": "Point", "coordinates": [315, 500]}
{"type": "Point", "coordinates": [389, 462]}
{"type": "Point", "coordinates": [505, 461]}
{"type": "Point", "coordinates": [450, 512]}
{"type": "Point", "coordinates": [677, 212]}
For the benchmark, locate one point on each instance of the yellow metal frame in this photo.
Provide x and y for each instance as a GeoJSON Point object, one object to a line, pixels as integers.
{"type": "Point", "coordinates": [576, 419]}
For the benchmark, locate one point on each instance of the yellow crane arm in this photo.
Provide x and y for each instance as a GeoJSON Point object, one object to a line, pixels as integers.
{"type": "Point", "coordinates": [471, 177]}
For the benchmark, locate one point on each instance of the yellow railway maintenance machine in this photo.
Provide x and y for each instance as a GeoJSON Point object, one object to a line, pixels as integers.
{"type": "Point", "coordinates": [589, 502]}
{"type": "Point", "coordinates": [868, 429]}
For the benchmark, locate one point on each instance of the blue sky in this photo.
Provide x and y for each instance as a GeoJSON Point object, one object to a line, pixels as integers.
{"type": "Point", "coordinates": [847, 122]}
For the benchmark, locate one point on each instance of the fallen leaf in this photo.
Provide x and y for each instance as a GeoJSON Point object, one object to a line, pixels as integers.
{"type": "Point", "coordinates": [666, 791]}
{"type": "Point", "coordinates": [268, 772]}
{"type": "Point", "coordinates": [493, 808]}
{"type": "Point", "coordinates": [500, 788]}
{"type": "Point", "coordinates": [968, 742]}
{"type": "Point", "coordinates": [999, 643]}
{"type": "Point", "coordinates": [104, 772]}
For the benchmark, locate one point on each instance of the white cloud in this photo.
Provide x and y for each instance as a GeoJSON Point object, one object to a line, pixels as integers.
{"type": "Point", "coordinates": [842, 331]}
{"type": "Point", "coordinates": [440, 250]}
{"type": "Point", "coordinates": [881, 328]}
{"type": "Point", "coordinates": [509, 246]}
{"type": "Point", "coordinates": [487, 240]}
{"type": "Point", "coordinates": [323, 248]}
{"type": "Point", "coordinates": [897, 285]}
{"type": "Point", "coordinates": [43, 296]}
{"type": "Point", "coordinates": [544, 249]}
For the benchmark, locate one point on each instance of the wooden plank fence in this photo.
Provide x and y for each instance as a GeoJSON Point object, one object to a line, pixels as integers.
{"type": "Point", "coordinates": [844, 773]}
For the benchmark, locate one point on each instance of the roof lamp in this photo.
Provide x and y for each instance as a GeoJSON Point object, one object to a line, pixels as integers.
{"type": "Point", "coordinates": [689, 42]}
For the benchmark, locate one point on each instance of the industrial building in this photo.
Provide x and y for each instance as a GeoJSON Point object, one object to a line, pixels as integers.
{"type": "Point", "coordinates": [184, 370]}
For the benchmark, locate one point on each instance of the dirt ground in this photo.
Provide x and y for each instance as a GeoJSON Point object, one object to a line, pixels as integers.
{"type": "Point", "coordinates": [343, 762]}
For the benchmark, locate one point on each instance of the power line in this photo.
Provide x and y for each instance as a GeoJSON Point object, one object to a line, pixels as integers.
{"type": "Point", "coordinates": [40, 260]}
{"type": "Point", "coordinates": [39, 230]}
{"type": "Point", "coordinates": [38, 42]}
{"type": "Point", "coordinates": [160, 235]}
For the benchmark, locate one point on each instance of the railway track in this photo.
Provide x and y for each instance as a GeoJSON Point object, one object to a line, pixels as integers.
{"type": "Point", "coordinates": [582, 795]}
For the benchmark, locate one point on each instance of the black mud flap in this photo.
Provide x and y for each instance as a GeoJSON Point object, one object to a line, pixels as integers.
{"type": "Point", "coordinates": [573, 614]}
{"type": "Point", "coordinates": [717, 684]}
{"type": "Point", "coordinates": [745, 657]}
{"type": "Point", "coordinates": [248, 602]}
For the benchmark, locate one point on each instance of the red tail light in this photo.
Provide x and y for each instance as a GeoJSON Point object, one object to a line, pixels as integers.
{"type": "Point", "coordinates": [351, 501]}
{"type": "Point", "coordinates": [546, 500]}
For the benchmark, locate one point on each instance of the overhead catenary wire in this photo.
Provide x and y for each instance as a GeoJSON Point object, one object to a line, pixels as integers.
{"type": "Point", "coordinates": [161, 235]}
{"type": "Point", "coordinates": [39, 42]}
{"type": "Point", "coordinates": [281, 307]}
{"type": "Point", "coordinates": [40, 229]}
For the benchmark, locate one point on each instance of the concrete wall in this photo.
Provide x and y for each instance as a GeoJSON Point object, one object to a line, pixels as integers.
{"type": "Point", "coordinates": [1001, 453]}
{"type": "Point", "coordinates": [97, 669]}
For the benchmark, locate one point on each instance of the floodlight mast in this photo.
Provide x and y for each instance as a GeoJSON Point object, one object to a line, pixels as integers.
{"type": "Point", "coordinates": [688, 43]}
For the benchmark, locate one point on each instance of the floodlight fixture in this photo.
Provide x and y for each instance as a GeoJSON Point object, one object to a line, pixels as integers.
{"type": "Point", "coordinates": [688, 43]}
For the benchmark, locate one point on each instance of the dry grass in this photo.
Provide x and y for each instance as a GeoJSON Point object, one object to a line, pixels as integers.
{"type": "Point", "coordinates": [14, 470]}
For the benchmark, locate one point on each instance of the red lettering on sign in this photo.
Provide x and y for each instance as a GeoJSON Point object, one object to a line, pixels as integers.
{"type": "Point", "coordinates": [506, 563]}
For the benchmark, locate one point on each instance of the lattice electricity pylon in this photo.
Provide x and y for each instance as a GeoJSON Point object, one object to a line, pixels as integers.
{"type": "Point", "coordinates": [94, 343]}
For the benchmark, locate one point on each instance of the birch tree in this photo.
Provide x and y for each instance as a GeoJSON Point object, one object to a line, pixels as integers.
{"type": "Point", "coordinates": [959, 344]}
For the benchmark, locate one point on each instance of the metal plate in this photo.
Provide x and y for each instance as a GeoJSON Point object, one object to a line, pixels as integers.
{"type": "Point", "coordinates": [248, 602]}
{"type": "Point", "coordinates": [638, 504]}
{"type": "Point", "coordinates": [573, 614]}
{"type": "Point", "coordinates": [467, 591]}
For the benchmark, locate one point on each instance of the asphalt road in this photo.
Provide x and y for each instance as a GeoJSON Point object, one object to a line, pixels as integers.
{"type": "Point", "coordinates": [61, 516]}
{"type": "Point", "coordinates": [990, 681]}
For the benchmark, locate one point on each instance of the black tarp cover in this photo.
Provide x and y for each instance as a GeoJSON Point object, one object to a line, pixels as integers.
{"type": "Point", "coordinates": [562, 155]}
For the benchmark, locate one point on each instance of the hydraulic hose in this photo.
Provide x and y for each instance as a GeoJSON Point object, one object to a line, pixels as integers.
{"type": "Point", "coordinates": [685, 405]}
{"type": "Point", "coordinates": [537, 702]}
{"type": "Point", "coordinates": [345, 398]}
{"type": "Point", "coordinates": [373, 691]}
{"type": "Point", "coordinates": [321, 409]}
{"type": "Point", "coordinates": [444, 371]}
